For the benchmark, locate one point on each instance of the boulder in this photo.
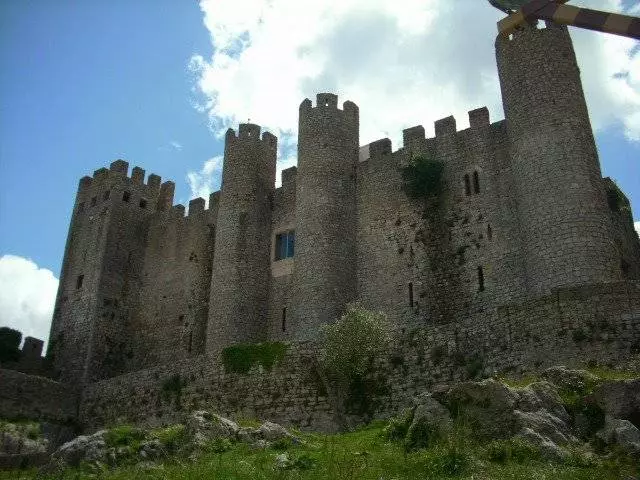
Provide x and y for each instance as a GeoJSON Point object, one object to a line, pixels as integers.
{"type": "Point", "coordinates": [548, 449]}
{"type": "Point", "coordinates": [430, 421]}
{"type": "Point", "coordinates": [619, 399]}
{"type": "Point", "coordinates": [90, 448]}
{"type": "Point", "coordinates": [487, 405]}
{"type": "Point", "coordinates": [202, 426]}
{"type": "Point", "coordinates": [575, 380]}
{"type": "Point", "coordinates": [622, 433]}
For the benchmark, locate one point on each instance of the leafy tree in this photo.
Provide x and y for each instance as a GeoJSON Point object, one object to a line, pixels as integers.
{"type": "Point", "coordinates": [10, 344]}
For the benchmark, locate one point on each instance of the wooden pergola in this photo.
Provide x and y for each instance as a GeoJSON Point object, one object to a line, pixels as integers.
{"type": "Point", "coordinates": [557, 12]}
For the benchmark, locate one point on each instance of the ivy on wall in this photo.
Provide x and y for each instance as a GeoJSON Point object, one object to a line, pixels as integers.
{"type": "Point", "coordinates": [242, 357]}
{"type": "Point", "coordinates": [422, 177]}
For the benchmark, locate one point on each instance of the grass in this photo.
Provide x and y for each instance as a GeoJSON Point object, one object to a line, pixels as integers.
{"type": "Point", "coordinates": [364, 455]}
{"type": "Point", "coordinates": [242, 357]}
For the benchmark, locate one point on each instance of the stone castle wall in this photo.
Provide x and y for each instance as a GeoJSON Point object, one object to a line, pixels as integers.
{"type": "Point", "coordinates": [578, 326]}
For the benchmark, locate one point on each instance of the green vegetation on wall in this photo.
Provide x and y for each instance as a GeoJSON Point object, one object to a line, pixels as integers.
{"type": "Point", "coordinates": [422, 177]}
{"type": "Point", "coordinates": [242, 357]}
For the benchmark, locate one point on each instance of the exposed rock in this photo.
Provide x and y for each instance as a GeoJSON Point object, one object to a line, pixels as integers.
{"type": "Point", "coordinates": [202, 426]}
{"type": "Point", "coordinates": [545, 424]}
{"type": "Point", "coordinates": [282, 461]}
{"type": "Point", "coordinates": [272, 431]}
{"type": "Point", "coordinates": [488, 406]}
{"type": "Point", "coordinates": [430, 420]}
{"type": "Point", "coordinates": [576, 380]}
{"type": "Point", "coordinates": [14, 439]}
{"type": "Point", "coordinates": [85, 447]}
{"type": "Point", "coordinates": [548, 449]}
{"type": "Point", "coordinates": [621, 432]}
{"type": "Point", "coordinates": [151, 449]}
{"type": "Point", "coordinates": [619, 399]}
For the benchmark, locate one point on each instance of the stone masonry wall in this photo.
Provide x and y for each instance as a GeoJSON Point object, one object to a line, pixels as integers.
{"type": "Point", "coordinates": [290, 394]}
{"type": "Point", "coordinates": [597, 324]}
{"type": "Point", "coordinates": [25, 396]}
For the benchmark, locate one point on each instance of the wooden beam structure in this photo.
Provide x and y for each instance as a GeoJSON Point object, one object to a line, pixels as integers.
{"type": "Point", "coordinates": [556, 11]}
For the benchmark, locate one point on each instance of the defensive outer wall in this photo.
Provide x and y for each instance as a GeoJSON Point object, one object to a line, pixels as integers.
{"type": "Point", "coordinates": [528, 258]}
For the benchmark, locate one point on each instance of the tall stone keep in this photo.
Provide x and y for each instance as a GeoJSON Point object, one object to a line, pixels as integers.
{"type": "Point", "coordinates": [241, 260]}
{"type": "Point", "coordinates": [325, 255]}
{"type": "Point", "coordinates": [561, 200]}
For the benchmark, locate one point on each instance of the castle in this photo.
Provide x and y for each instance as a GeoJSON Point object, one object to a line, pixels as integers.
{"type": "Point", "coordinates": [523, 212]}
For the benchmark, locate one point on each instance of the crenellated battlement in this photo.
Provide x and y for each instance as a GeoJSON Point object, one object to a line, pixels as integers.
{"type": "Point", "coordinates": [327, 105]}
{"type": "Point", "coordinates": [251, 132]}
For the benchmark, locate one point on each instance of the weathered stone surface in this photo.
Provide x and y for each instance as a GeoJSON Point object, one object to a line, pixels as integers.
{"type": "Point", "coordinates": [488, 405]}
{"type": "Point", "coordinates": [548, 449]}
{"type": "Point", "coordinates": [619, 399]}
{"type": "Point", "coordinates": [575, 380]}
{"type": "Point", "coordinates": [203, 426]}
{"type": "Point", "coordinates": [623, 433]}
{"type": "Point", "coordinates": [90, 448]}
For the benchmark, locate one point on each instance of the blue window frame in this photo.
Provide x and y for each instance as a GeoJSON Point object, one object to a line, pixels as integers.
{"type": "Point", "coordinates": [285, 245]}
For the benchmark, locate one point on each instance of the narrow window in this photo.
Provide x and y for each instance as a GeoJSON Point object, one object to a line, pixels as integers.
{"type": "Point", "coordinates": [106, 195]}
{"type": "Point", "coordinates": [285, 245]}
{"type": "Point", "coordinates": [476, 183]}
{"type": "Point", "coordinates": [79, 281]}
{"type": "Point", "coordinates": [143, 203]}
{"type": "Point", "coordinates": [94, 201]}
{"type": "Point", "coordinates": [467, 185]}
{"type": "Point", "coordinates": [284, 319]}
{"type": "Point", "coordinates": [126, 196]}
{"type": "Point", "coordinates": [489, 232]}
{"type": "Point", "coordinates": [480, 280]}
{"type": "Point", "coordinates": [411, 294]}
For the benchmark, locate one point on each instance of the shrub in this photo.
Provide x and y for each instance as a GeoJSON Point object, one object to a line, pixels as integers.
{"type": "Point", "coordinates": [171, 437]}
{"type": "Point", "coordinates": [397, 428]}
{"type": "Point", "coordinates": [10, 344]}
{"type": "Point", "coordinates": [351, 343]}
{"type": "Point", "coordinates": [124, 436]}
{"type": "Point", "coordinates": [422, 177]}
{"type": "Point", "coordinates": [219, 445]}
{"type": "Point", "coordinates": [242, 357]}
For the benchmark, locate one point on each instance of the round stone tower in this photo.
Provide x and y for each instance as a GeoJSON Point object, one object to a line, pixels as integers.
{"type": "Point", "coordinates": [561, 201]}
{"type": "Point", "coordinates": [325, 248]}
{"type": "Point", "coordinates": [241, 261]}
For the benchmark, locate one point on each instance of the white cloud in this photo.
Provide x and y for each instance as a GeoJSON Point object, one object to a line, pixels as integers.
{"type": "Point", "coordinates": [27, 296]}
{"type": "Point", "coordinates": [207, 179]}
{"type": "Point", "coordinates": [176, 145]}
{"type": "Point", "coordinates": [637, 225]}
{"type": "Point", "coordinates": [403, 65]}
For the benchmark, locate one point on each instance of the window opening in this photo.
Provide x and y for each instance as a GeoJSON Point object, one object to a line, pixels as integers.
{"type": "Point", "coordinates": [467, 185]}
{"type": "Point", "coordinates": [143, 203]}
{"type": "Point", "coordinates": [106, 195]}
{"type": "Point", "coordinates": [476, 182]}
{"type": "Point", "coordinates": [411, 294]}
{"type": "Point", "coordinates": [489, 232]}
{"type": "Point", "coordinates": [79, 281]}
{"type": "Point", "coordinates": [126, 196]}
{"type": "Point", "coordinates": [94, 201]}
{"type": "Point", "coordinates": [285, 245]}
{"type": "Point", "coordinates": [480, 280]}
{"type": "Point", "coordinates": [284, 319]}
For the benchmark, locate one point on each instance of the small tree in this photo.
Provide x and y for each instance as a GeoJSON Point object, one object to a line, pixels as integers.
{"type": "Point", "coordinates": [422, 177]}
{"type": "Point", "coordinates": [351, 343]}
{"type": "Point", "coordinates": [10, 344]}
{"type": "Point", "coordinates": [349, 349]}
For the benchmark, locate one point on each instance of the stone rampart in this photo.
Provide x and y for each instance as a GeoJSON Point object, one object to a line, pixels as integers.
{"type": "Point", "coordinates": [25, 396]}
{"type": "Point", "coordinates": [597, 324]}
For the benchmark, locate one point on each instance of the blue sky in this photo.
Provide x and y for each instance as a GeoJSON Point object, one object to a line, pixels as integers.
{"type": "Point", "coordinates": [156, 81]}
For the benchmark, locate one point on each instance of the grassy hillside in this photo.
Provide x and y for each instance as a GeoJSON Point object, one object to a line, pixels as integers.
{"type": "Point", "coordinates": [364, 454]}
